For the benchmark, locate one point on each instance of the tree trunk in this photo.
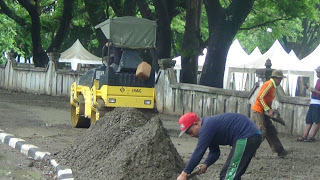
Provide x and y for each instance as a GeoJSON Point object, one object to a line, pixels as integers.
{"type": "Point", "coordinates": [40, 57]}
{"type": "Point", "coordinates": [163, 31]}
{"type": "Point", "coordinates": [63, 28]}
{"type": "Point", "coordinates": [96, 11]}
{"type": "Point", "coordinates": [191, 43]}
{"type": "Point", "coordinates": [129, 8]}
{"type": "Point", "coordinates": [223, 26]}
{"type": "Point", "coordinates": [6, 10]}
{"type": "Point", "coordinates": [117, 7]}
{"type": "Point", "coordinates": [145, 10]}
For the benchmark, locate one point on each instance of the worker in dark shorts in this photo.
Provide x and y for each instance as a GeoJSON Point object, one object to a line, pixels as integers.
{"type": "Point", "coordinates": [313, 114]}
{"type": "Point", "coordinates": [231, 129]}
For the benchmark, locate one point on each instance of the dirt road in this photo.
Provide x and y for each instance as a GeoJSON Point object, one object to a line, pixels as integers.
{"type": "Point", "coordinates": [44, 121]}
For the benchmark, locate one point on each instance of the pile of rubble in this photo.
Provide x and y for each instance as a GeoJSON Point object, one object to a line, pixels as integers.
{"type": "Point", "coordinates": [124, 144]}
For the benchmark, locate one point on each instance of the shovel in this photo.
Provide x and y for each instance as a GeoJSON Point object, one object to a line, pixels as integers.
{"type": "Point", "coordinates": [276, 117]}
{"type": "Point", "coordinates": [194, 173]}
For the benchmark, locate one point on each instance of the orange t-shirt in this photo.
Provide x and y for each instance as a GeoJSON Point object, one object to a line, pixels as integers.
{"type": "Point", "coordinates": [265, 97]}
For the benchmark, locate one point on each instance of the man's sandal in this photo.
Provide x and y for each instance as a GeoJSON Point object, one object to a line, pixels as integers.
{"type": "Point", "coordinates": [302, 139]}
{"type": "Point", "coordinates": [312, 139]}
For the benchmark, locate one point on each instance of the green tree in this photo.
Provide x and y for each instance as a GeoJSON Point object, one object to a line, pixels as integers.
{"type": "Point", "coordinates": [306, 39]}
{"type": "Point", "coordinates": [227, 18]}
{"type": "Point", "coordinates": [224, 23]}
{"type": "Point", "coordinates": [295, 27]}
{"type": "Point", "coordinates": [29, 15]}
{"type": "Point", "coordinates": [100, 10]}
{"type": "Point", "coordinates": [163, 12]}
{"type": "Point", "coordinates": [8, 34]}
{"type": "Point", "coordinates": [65, 20]}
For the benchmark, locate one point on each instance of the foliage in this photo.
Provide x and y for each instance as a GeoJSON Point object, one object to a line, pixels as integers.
{"type": "Point", "coordinates": [271, 20]}
{"type": "Point", "coordinates": [80, 27]}
{"type": "Point", "coordinates": [177, 27]}
{"type": "Point", "coordinates": [284, 17]}
{"type": "Point", "coordinates": [8, 36]}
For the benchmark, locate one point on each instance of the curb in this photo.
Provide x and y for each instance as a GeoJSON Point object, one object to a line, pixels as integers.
{"type": "Point", "coordinates": [62, 172]}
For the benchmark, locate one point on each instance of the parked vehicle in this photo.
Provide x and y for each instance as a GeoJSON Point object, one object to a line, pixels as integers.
{"type": "Point", "coordinates": [127, 83]}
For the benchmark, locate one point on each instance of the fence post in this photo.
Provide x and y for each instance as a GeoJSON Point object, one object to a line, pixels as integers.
{"type": "Point", "coordinates": [163, 89]}
{"type": "Point", "coordinates": [51, 72]}
{"type": "Point", "coordinates": [11, 62]}
{"type": "Point", "coordinates": [265, 74]}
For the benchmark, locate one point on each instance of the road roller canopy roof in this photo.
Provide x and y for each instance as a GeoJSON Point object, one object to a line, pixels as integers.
{"type": "Point", "coordinates": [130, 32]}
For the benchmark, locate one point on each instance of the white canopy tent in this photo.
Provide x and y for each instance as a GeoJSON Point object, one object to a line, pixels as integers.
{"type": "Point", "coordinates": [312, 61]}
{"type": "Point", "coordinates": [237, 56]}
{"type": "Point", "coordinates": [293, 54]}
{"type": "Point", "coordinates": [77, 54]}
{"type": "Point", "coordinates": [280, 59]}
{"type": "Point", "coordinates": [243, 79]}
{"type": "Point", "coordinates": [240, 67]}
{"type": "Point", "coordinates": [201, 60]}
{"type": "Point", "coordinates": [256, 53]}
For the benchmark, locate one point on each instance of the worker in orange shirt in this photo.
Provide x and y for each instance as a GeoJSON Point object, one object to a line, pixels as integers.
{"type": "Point", "coordinates": [262, 105]}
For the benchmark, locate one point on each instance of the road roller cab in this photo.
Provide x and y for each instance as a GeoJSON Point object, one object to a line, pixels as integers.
{"type": "Point", "coordinates": [124, 82]}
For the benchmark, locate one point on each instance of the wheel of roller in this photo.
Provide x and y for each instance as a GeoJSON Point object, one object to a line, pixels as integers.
{"type": "Point", "coordinates": [77, 114]}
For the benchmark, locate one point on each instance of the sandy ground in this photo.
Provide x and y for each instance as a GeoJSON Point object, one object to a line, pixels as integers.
{"type": "Point", "coordinates": [45, 122]}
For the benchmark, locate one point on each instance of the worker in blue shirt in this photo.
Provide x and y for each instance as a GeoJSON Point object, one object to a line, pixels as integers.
{"type": "Point", "coordinates": [232, 129]}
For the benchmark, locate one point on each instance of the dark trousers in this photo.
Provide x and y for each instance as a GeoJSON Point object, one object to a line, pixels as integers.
{"type": "Point", "coordinates": [239, 158]}
{"type": "Point", "coordinates": [268, 131]}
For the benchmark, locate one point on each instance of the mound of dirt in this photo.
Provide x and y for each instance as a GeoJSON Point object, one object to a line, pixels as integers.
{"type": "Point", "coordinates": [124, 144]}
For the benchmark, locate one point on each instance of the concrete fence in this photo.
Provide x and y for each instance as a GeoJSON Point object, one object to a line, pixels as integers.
{"type": "Point", "coordinates": [172, 97]}
{"type": "Point", "coordinates": [30, 79]}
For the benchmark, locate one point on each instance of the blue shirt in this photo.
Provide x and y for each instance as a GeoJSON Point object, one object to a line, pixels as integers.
{"type": "Point", "coordinates": [223, 129]}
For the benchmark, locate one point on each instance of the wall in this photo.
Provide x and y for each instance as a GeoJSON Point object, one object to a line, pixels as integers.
{"type": "Point", "coordinates": [30, 79]}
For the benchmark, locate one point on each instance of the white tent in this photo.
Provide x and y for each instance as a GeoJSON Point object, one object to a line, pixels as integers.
{"type": "Point", "coordinates": [201, 60]}
{"type": "Point", "coordinates": [77, 54]}
{"type": "Point", "coordinates": [236, 57]}
{"type": "Point", "coordinates": [256, 53]}
{"type": "Point", "coordinates": [242, 79]}
{"type": "Point", "coordinates": [312, 61]}
{"type": "Point", "coordinates": [293, 54]}
{"type": "Point", "coordinates": [240, 67]}
{"type": "Point", "coordinates": [280, 59]}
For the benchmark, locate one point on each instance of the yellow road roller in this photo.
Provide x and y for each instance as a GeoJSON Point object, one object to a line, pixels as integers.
{"type": "Point", "coordinates": [125, 77]}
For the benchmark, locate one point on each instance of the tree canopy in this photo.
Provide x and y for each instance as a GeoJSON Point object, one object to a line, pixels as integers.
{"type": "Point", "coordinates": [185, 27]}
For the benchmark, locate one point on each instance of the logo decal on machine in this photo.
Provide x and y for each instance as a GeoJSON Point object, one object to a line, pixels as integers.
{"type": "Point", "coordinates": [137, 90]}
{"type": "Point", "coordinates": [122, 89]}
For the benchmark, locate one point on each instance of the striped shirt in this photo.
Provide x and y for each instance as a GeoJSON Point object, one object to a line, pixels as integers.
{"type": "Point", "coordinates": [265, 97]}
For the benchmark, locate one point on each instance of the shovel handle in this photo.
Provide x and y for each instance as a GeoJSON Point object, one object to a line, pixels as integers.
{"type": "Point", "coordinates": [194, 173]}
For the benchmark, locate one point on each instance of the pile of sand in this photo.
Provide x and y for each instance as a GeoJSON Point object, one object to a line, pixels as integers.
{"type": "Point", "coordinates": [124, 144]}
